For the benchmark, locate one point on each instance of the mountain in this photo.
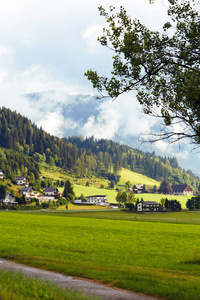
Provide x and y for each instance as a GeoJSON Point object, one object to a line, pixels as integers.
{"type": "Point", "coordinates": [82, 156]}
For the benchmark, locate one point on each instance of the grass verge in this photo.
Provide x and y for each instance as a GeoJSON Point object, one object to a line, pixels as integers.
{"type": "Point", "coordinates": [16, 286]}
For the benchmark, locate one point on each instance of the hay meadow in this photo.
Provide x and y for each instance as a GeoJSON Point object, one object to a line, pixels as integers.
{"type": "Point", "coordinates": [155, 254]}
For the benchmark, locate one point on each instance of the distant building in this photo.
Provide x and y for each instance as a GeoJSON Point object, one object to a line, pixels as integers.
{"type": "Point", "coordinates": [50, 191]}
{"type": "Point", "coordinates": [21, 180]}
{"type": "Point", "coordinates": [98, 200]}
{"type": "Point", "coordinates": [182, 189]}
{"type": "Point", "coordinates": [93, 200]}
{"type": "Point", "coordinates": [137, 188]}
{"type": "Point", "coordinates": [27, 191]}
{"type": "Point", "coordinates": [2, 174]}
{"type": "Point", "coordinates": [9, 199]}
{"type": "Point", "coordinates": [149, 206]}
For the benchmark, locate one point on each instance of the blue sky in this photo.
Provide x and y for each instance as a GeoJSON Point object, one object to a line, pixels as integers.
{"type": "Point", "coordinates": [45, 48]}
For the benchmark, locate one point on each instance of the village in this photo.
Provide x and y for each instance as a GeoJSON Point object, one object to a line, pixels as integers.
{"type": "Point", "coordinates": [52, 195]}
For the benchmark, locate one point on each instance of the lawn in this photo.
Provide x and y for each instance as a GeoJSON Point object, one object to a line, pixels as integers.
{"type": "Point", "coordinates": [156, 254]}
{"type": "Point", "coordinates": [156, 197]}
{"type": "Point", "coordinates": [136, 178]}
{"type": "Point", "coordinates": [91, 190]}
{"type": "Point", "coordinates": [16, 286]}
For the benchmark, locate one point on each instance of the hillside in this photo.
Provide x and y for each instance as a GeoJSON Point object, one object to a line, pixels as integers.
{"type": "Point", "coordinates": [29, 148]}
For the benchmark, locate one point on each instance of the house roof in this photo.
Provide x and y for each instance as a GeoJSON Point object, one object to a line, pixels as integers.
{"type": "Point", "coordinates": [179, 187]}
{"type": "Point", "coordinates": [20, 177]}
{"type": "Point", "coordinates": [96, 196]}
{"type": "Point", "coordinates": [150, 202]}
{"type": "Point", "coordinates": [9, 194]}
{"type": "Point", "coordinates": [26, 189]}
{"type": "Point", "coordinates": [138, 186]}
{"type": "Point", "coordinates": [50, 189]}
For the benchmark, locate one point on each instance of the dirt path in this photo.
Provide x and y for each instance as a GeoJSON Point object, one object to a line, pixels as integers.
{"type": "Point", "coordinates": [88, 287]}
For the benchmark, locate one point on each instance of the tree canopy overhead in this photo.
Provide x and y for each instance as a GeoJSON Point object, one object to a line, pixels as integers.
{"type": "Point", "coordinates": [162, 67]}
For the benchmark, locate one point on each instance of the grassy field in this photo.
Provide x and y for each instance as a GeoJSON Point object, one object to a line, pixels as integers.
{"type": "Point", "coordinates": [136, 178]}
{"type": "Point", "coordinates": [156, 254]}
{"type": "Point", "coordinates": [15, 286]}
{"type": "Point", "coordinates": [91, 190]}
{"type": "Point", "coordinates": [111, 195]}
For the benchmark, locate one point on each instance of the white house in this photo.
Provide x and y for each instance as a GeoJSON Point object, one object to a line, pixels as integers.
{"type": "Point", "coordinates": [137, 188]}
{"type": "Point", "coordinates": [98, 200]}
{"type": "Point", "coordinates": [22, 180]}
{"type": "Point", "coordinates": [149, 206]}
{"type": "Point", "coordinates": [2, 174]}
{"type": "Point", "coordinates": [50, 191]}
{"type": "Point", "coordinates": [93, 200]}
{"type": "Point", "coordinates": [27, 191]}
{"type": "Point", "coordinates": [182, 189]}
{"type": "Point", "coordinates": [9, 199]}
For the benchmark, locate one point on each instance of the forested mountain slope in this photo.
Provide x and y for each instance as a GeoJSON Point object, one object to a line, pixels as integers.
{"type": "Point", "coordinates": [85, 157]}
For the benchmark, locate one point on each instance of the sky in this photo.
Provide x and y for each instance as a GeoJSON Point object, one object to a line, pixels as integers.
{"type": "Point", "coordinates": [45, 48]}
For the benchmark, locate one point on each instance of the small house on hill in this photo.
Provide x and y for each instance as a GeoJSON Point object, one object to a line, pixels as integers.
{"type": "Point", "coordinates": [182, 189]}
{"type": "Point", "coordinates": [21, 180]}
{"type": "Point", "coordinates": [137, 188]}
{"type": "Point", "coordinates": [9, 199]}
{"type": "Point", "coordinates": [2, 174]}
{"type": "Point", "coordinates": [27, 191]}
{"type": "Point", "coordinates": [50, 191]}
{"type": "Point", "coordinates": [93, 200]}
{"type": "Point", "coordinates": [149, 206]}
{"type": "Point", "coordinates": [98, 200]}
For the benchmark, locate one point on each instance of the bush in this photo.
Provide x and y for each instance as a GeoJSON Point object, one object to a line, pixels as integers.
{"type": "Point", "coordinates": [130, 206]}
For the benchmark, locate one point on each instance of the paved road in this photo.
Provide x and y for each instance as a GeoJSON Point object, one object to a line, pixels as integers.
{"type": "Point", "coordinates": [87, 287]}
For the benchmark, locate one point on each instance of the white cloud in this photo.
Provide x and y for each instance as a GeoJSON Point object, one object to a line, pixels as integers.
{"type": "Point", "coordinates": [162, 146]}
{"type": "Point", "coordinates": [90, 35]}
{"type": "Point", "coordinates": [52, 123]}
{"type": "Point", "coordinates": [5, 50]}
{"type": "Point", "coordinates": [182, 155]}
{"type": "Point", "coordinates": [106, 125]}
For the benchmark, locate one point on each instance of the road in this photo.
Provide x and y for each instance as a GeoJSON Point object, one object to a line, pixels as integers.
{"type": "Point", "coordinates": [86, 286]}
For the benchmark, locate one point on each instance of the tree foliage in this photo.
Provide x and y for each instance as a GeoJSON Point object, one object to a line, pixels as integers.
{"type": "Point", "coordinates": [193, 203]}
{"type": "Point", "coordinates": [173, 205]}
{"type": "Point", "coordinates": [126, 199]}
{"type": "Point", "coordinates": [20, 140]}
{"type": "Point", "coordinates": [68, 190]}
{"type": "Point", "coordinates": [162, 67]}
{"type": "Point", "coordinates": [165, 187]}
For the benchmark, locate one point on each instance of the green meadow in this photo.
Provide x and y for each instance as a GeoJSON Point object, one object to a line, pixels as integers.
{"type": "Point", "coordinates": [136, 178]}
{"type": "Point", "coordinates": [16, 286]}
{"type": "Point", "coordinates": [156, 254]}
{"type": "Point", "coordinates": [111, 195]}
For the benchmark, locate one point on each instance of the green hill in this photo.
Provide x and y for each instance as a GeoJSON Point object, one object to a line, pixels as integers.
{"type": "Point", "coordinates": [136, 178]}
{"type": "Point", "coordinates": [29, 150]}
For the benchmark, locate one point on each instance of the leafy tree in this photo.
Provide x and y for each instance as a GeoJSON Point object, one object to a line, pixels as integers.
{"type": "Point", "coordinates": [144, 189]}
{"type": "Point", "coordinates": [154, 189]}
{"type": "Point", "coordinates": [121, 197]}
{"type": "Point", "coordinates": [172, 205]}
{"type": "Point", "coordinates": [68, 190]}
{"type": "Point", "coordinates": [2, 191]}
{"type": "Point", "coordinates": [162, 201]}
{"type": "Point", "coordinates": [21, 200]}
{"type": "Point", "coordinates": [193, 203]}
{"type": "Point", "coordinates": [165, 187]}
{"type": "Point", "coordinates": [128, 184]}
{"type": "Point", "coordinates": [190, 204]}
{"type": "Point", "coordinates": [131, 197]}
{"type": "Point", "coordinates": [111, 184]}
{"type": "Point", "coordinates": [163, 68]}
{"type": "Point", "coordinates": [83, 198]}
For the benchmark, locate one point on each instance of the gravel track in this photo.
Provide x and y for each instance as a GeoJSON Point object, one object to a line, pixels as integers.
{"type": "Point", "coordinates": [86, 286]}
